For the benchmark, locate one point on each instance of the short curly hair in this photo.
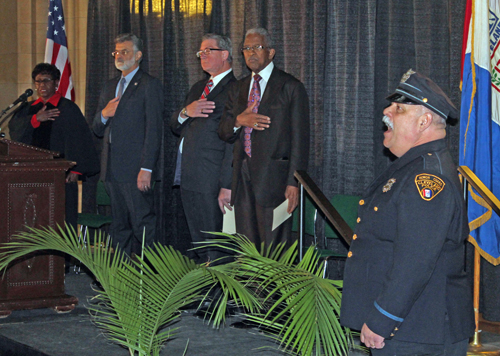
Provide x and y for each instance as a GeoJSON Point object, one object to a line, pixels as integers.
{"type": "Point", "coordinates": [46, 68]}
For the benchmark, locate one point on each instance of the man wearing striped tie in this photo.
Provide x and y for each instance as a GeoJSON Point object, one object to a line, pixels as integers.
{"type": "Point", "coordinates": [267, 118]}
{"type": "Point", "coordinates": [203, 168]}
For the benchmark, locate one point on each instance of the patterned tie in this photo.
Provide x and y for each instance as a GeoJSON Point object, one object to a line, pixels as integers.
{"type": "Point", "coordinates": [206, 91]}
{"type": "Point", "coordinates": [120, 88]}
{"type": "Point", "coordinates": [120, 93]}
{"type": "Point", "coordinates": [254, 96]}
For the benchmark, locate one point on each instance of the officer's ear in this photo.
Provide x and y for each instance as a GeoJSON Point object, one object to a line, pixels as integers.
{"type": "Point", "coordinates": [424, 121]}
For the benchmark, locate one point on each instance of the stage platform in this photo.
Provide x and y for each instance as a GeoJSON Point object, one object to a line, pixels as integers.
{"type": "Point", "coordinates": [43, 332]}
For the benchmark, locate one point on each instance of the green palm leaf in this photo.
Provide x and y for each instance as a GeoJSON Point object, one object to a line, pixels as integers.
{"type": "Point", "coordinates": [303, 308]}
{"type": "Point", "coordinates": [138, 300]}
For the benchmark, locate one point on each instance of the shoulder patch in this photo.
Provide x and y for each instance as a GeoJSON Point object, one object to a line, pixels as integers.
{"type": "Point", "coordinates": [429, 185]}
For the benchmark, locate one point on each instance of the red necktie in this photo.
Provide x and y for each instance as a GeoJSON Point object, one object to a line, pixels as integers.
{"type": "Point", "coordinates": [254, 96]}
{"type": "Point", "coordinates": [206, 91]}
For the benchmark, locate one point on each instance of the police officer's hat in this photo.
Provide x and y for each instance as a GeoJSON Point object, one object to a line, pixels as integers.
{"type": "Point", "coordinates": [416, 88]}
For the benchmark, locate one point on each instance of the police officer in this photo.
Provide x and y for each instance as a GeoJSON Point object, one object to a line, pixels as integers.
{"type": "Point", "coordinates": [404, 284]}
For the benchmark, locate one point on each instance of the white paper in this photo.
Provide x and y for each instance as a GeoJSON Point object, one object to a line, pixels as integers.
{"type": "Point", "coordinates": [280, 214]}
{"type": "Point", "coordinates": [229, 222]}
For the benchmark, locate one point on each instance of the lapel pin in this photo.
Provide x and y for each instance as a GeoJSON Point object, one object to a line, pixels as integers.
{"type": "Point", "coordinates": [388, 185]}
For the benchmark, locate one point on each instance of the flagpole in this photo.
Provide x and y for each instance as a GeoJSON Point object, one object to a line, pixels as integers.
{"type": "Point", "coordinates": [475, 346]}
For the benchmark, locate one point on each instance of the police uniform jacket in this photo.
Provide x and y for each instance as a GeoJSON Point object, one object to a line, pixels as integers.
{"type": "Point", "coordinates": [404, 276]}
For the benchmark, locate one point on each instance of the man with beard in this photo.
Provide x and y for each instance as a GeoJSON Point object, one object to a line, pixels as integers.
{"type": "Point", "coordinates": [203, 168]}
{"type": "Point", "coordinates": [405, 286]}
{"type": "Point", "coordinates": [267, 118]}
{"type": "Point", "coordinates": [130, 119]}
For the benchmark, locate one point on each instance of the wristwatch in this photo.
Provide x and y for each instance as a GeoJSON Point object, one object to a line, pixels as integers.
{"type": "Point", "coordinates": [184, 112]}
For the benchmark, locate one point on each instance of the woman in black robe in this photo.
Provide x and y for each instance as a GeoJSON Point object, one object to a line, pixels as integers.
{"type": "Point", "coordinates": [55, 123]}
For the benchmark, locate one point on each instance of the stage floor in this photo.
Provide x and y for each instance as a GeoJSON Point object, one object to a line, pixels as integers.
{"type": "Point", "coordinates": [42, 332]}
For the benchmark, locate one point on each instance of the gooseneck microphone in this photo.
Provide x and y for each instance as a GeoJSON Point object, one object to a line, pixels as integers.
{"type": "Point", "coordinates": [22, 98]}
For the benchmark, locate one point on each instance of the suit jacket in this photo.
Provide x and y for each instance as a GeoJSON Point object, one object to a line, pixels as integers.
{"type": "Point", "coordinates": [404, 273]}
{"type": "Point", "coordinates": [136, 128]}
{"type": "Point", "coordinates": [280, 150]}
{"type": "Point", "coordinates": [206, 160]}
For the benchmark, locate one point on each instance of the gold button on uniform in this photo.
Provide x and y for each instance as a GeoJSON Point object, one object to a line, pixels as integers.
{"type": "Point", "coordinates": [375, 208]}
{"type": "Point", "coordinates": [358, 220]}
{"type": "Point", "coordinates": [354, 237]}
{"type": "Point", "coordinates": [392, 335]}
{"type": "Point", "coordinates": [361, 202]}
{"type": "Point", "coordinates": [396, 329]}
{"type": "Point", "coordinates": [349, 254]}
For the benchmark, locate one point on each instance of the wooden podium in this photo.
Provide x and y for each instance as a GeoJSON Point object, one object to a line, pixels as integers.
{"type": "Point", "coordinates": [32, 189]}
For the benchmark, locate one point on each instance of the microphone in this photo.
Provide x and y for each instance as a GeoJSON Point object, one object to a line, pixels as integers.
{"type": "Point", "coordinates": [23, 97]}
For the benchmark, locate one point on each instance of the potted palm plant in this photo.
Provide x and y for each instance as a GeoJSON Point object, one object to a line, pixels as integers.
{"type": "Point", "coordinates": [140, 299]}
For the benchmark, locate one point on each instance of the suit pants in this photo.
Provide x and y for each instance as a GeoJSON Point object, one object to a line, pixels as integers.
{"type": "Point", "coordinates": [203, 214]}
{"type": "Point", "coordinates": [255, 221]}
{"type": "Point", "coordinates": [133, 211]}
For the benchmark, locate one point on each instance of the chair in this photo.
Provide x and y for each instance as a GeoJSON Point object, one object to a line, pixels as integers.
{"type": "Point", "coordinates": [94, 221]}
{"type": "Point", "coordinates": [347, 207]}
{"type": "Point", "coordinates": [310, 213]}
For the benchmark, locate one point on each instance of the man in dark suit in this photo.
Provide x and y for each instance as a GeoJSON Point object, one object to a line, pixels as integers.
{"type": "Point", "coordinates": [267, 118]}
{"type": "Point", "coordinates": [405, 286]}
{"type": "Point", "coordinates": [130, 118]}
{"type": "Point", "coordinates": [204, 161]}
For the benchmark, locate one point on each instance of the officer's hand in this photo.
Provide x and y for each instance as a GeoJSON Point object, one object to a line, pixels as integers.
{"type": "Point", "coordinates": [370, 339]}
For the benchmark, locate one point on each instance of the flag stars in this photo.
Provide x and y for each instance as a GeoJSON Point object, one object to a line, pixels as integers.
{"type": "Point", "coordinates": [55, 8]}
{"type": "Point", "coordinates": [52, 23]}
{"type": "Point", "coordinates": [50, 13]}
{"type": "Point", "coordinates": [60, 18]}
{"type": "Point", "coordinates": [55, 32]}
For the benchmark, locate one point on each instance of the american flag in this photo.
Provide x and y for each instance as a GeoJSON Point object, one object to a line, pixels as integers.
{"type": "Point", "coordinates": [56, 48]}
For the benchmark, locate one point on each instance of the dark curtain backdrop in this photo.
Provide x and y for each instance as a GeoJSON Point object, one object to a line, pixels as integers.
{"type": "Point", "coordinates": [349, 54]}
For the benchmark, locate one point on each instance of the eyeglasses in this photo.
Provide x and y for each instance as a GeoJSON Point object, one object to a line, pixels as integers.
{"type": "Point", "coordinates": [123, 53]}
{"type": "Point", "coordinates": [207, 51]}
{"type": "Point", "coordinates": [257, 48]}
{"type": "Point", "coordinates": [44, 81]}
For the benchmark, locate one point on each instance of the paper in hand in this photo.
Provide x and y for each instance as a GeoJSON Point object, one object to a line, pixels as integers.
{"type": "Point", "coordinates": [280, 214]}
{"type": "Point", "coordinates": [229, 222]}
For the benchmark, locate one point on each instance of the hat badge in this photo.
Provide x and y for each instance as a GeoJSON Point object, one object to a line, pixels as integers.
{"type": "Point", "coordinates": [407, 75]}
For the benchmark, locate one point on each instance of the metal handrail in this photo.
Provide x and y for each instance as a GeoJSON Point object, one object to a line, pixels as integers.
{"type": "Point", "coordinates": [306, 182]}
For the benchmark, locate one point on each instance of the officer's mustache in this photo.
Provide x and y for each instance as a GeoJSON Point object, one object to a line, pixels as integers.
{"type": "Point", "coordinates": [388, 122]}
